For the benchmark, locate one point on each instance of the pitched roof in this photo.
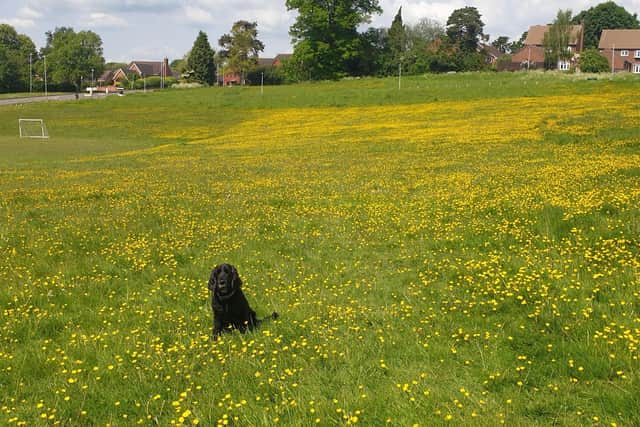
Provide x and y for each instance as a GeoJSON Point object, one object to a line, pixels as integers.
{"type": "Point", "coordinates": [621, 39]}
{"type": "Point", "coordinates": [282, 57]}
{"type": "Point", "coordinates": [265, 62]}
{"type": "Point", "coordinates": [535, 36]}
{"type": "Point", "coordinates": [150, 68]}
{"type": "Point", "coordinates": [531, 54]}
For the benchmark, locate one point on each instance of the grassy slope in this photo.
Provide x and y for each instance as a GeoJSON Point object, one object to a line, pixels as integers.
{"type": "Point", "coordinates": [464, 250]}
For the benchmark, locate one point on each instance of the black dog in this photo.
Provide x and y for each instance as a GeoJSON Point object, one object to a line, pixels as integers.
{"type": "Point", "coordinates": [230, 307]}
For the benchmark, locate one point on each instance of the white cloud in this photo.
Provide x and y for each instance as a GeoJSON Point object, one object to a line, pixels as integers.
{"type": "Point", "coordinates": [197, 15]}
{"type": "Point", "coordinates": [104, 20]}
{"type": "Point", "coordinates": [19, 23]}
{"type": "Point", "coordinates": [28, 13]}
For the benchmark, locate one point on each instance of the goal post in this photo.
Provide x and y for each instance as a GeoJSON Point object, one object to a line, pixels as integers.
{"type": "Point", "coordinates": [32, 128]}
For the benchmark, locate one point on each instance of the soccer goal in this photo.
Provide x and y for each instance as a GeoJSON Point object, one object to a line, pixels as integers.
{"type": "Point", "coordinates": [32, 128]}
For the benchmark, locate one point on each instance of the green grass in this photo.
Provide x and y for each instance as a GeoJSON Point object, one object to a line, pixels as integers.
{"type": "Point", "coordinates": [463, 251]}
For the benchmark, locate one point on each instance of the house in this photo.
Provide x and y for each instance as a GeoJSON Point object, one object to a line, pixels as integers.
{"type": "Point", "coordinates": [110, 77]}
{"type": "Point", "coordinates": [152, 68]}
{"type": "Point", "coordinates": [280, 59]}
{"type": "Point", "coordinates": [532, 55]}
{"type": "Point", "coordinates": [622, 49]}
{"type": "Point", "coordinates": [490, 53]}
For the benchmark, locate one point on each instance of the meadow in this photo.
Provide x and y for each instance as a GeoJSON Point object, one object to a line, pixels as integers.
{"type": "Point", "coordinates": [462, 251]}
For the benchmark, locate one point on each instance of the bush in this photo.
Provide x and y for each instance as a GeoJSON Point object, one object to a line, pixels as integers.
{"type": "Point", "coordinates": [153, 82]}
{"type": "Point", "coordinates": [591, 61]}
{"type": "Point", "coordinates": [272, 76]}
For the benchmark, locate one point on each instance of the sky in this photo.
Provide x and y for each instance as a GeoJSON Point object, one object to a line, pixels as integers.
{"type": "Point", "coordinates": [153, 29]}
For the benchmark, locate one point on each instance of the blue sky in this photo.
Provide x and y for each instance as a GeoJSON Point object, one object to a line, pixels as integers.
{"type": "Point", "coordinates": [151, 29]}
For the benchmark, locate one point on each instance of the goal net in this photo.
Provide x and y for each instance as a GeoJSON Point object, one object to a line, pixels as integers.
{"type": "Point", "coordinates": [32, 128]}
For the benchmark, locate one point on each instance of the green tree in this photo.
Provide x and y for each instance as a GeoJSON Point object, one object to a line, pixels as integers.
{"type": "Point", "coordinates": [602, 17]}
{"type": "Point", "coordinates": [502, 44]}
{"type": "Point", "coordinates": [240, 48]}
{"type": "Point", "coordinates": [71, 56]}
{"type": "Point", "coordinates": [420, 39]}
{"type": "Point", "coordinates": [557, 38]}
{"type": "Point", "coordinates": [326, 38]}
{"type": "Point", "coordinates": [465, 29]}
{"type": "Point", "coordinates": [515, 46]}
{"type": "Point", "coordinates": [200, 61]}
{"type": "Point", "coordinates": [591, 61]}
{"type": "Point", "coordinates": [15, 51]}
{"type": "Point", "coordinates": [397, 40]}
{"type": "Point", "coordinates": [374, 52]}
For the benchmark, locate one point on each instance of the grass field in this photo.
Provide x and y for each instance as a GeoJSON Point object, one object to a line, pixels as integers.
{"type": "Point", "coordinates": [464, 251]}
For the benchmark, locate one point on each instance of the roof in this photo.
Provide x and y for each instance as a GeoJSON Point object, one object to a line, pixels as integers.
{"type": "Point", "coordinates": [490, 50]}
{"type": "Point", "coordinates": [106, 76]}
{"type": "Point", "coordinates": [620, 39]}
{"type": "Point", "coordinates": [265, 62]}
{"type": "Point", "coordinates": [282, 57]}
{"type": "Point", "coordinates": [150, 68]}
{"type": "Point", "coordinates": [531, 54]}
{"type": "Point", "coordinates": [535, 36]}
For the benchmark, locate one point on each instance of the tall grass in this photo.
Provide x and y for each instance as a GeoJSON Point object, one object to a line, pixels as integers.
{"type": "Point", "coordinates": [462, 251]}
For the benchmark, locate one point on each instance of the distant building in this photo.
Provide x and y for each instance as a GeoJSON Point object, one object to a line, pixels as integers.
{"type": "Point", "coordinates": [622, 49]}
{"type": "Point", "coordinates": [532, 55]}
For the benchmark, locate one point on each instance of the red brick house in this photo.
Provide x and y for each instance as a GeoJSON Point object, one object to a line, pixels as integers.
{"type": "Point", "coordinates": [111, 77]}
{"type": "Point", "coordinates": [622, 49]}
{"type": "Point", "coordinates": [532, 55]}
{"type": "Point", "coordinates": [152, 68]}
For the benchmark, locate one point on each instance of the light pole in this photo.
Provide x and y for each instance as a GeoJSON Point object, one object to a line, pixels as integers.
{"type": "Point", "coordinates": [92, 84]}
{"type": "Point", "coordinates": [45, 74]}
{"type": "Point", "coordinates": [262, 83]}
{"type": "Point", "coordinates": [30, 75]}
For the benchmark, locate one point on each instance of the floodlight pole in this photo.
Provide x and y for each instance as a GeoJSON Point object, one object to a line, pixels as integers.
{"type": "Point", "coordinates": [262, 83]}
{"type": "Point", "coordinates": [45, 74]}
{"type": "Point", "coordinates": [399, 75]}
{"type": "Point", "coordinates": [30, 75]}
{"type": "Point", "coordinates": [92, 84]}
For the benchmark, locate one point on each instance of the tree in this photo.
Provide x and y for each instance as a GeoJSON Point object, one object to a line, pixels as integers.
{"type": "Point", "coordinates": [515, 46]}
{"type": "Point", "coordinates": [591, 61]}
{"type": "Point", "coordinates": [502, 44]}
{"type": "Point", "coordinates": [420, 37]}
{"type": "Point", "coordinates": [200, 61]}
{"type": "Point", "coordinates": [557, 38]}
{"type": "Point", "coordinates": [241, 48]}
{"type": "Point", "coordinates": [71, 56]}
{"type": "Point", "coordinates": [325, 35]}
{"type": "Point", "coordinates": [397, 39]}
{"type": "Point", "coordinates": [465, 29]}
{"type": "Point", "coordinates": [374, 53]}
{"type": "Point", "coordinates": [602, 17]}
{"type": "Point", "coordinates": [15, 51]}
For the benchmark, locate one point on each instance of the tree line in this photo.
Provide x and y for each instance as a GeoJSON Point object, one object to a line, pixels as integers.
{"type": "Point", "coordinates": [327, 44]}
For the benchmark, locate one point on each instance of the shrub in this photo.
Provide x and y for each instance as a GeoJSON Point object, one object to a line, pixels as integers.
{"type": "Point", "coordinates": [272, 76]}
{"type": "Point", "coordinates": [591, 61]}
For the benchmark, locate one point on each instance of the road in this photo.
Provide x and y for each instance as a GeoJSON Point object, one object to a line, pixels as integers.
{"type": "Point", "coordinates": [64, 97]}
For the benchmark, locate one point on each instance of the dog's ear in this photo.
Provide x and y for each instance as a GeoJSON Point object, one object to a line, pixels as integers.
{"type": "Point", "coordinates": [237, 283]}
{"type": "Point", "coordinates": [213, 278]}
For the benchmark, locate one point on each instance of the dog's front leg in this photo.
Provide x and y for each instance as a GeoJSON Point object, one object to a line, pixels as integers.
{"type": "Point", "coordinates": [217, 328]}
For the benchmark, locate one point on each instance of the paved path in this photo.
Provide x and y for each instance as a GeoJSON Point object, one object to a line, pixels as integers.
{"type": "Point", "coordinates": [64, 97]}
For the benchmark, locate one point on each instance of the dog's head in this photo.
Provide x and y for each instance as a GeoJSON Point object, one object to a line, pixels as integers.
{"type": "Point", "coordinates": [224, 280]}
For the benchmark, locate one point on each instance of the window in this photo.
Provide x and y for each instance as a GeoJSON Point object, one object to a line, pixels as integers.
{"type": "Point", "coordinates": [563, 65]}
{"type": "Point", "coordinates": [624, 53]}
{"type": "Point", "coordinates": [636, 68]}
{"type": "Point", "coordinates": [638, 53]}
